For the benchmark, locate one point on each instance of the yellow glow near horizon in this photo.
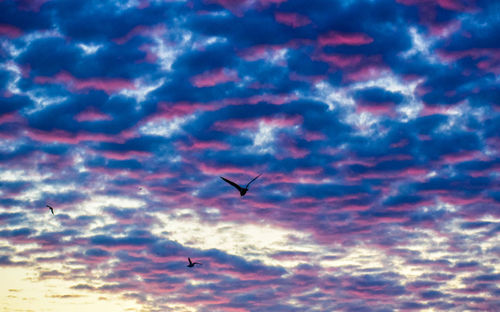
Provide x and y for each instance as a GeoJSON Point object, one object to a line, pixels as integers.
{"type": "Point", "coordinates": [21, 290]}
{"type": "Point", "coordinates": [252, 241]}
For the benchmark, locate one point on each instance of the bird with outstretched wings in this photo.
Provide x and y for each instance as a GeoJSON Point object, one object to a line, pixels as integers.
{"type": "Point", "coordinates": [242, 190]}
{"type": "Point", "coordinates": [191, 263]}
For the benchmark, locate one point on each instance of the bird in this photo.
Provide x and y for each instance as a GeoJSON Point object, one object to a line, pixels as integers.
{"type": "Point", "coordinates": [51, 209]}
{"type": "Point", "coordinates": [243, 190]}
{"type": "Point", "coordinates": [191, 264]}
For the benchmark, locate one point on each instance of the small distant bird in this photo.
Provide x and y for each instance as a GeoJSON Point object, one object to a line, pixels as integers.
{"type": "Point", "coordinates": [243, 190]}
{"type": "Point", "coordinates": [191, 264]}
{"type": "Point", "coordinates": [51, 209]}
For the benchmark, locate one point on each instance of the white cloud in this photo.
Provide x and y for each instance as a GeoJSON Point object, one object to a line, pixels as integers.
{"type": "Point", "coordinates": [38, 96]}
{"type": "Point", "coordinates": [165, 127]}
{"type": "Point", "coordinates": [89, 48]}
{"type": "Point", "coordinates": [263, 138]}
{"type": "Point", "coordinates": [253, 241]}
{"type": "Point", "coordinates": [142, 89]}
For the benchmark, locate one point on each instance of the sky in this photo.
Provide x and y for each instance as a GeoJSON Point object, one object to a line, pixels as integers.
{"type": "Point", "coordinates": [375, 126]}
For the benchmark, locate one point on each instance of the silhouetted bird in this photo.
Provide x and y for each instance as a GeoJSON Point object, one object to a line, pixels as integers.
{"type": "Point", "coordinates": [191, 264]}
{"type": "Point", "coordinates": [51, 209]}
{"type": "Point", "coordinates": [243, 190]}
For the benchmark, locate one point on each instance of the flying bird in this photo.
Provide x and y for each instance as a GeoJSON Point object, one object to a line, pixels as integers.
{"type": "Point", "coordinates": [191, 264]}
{"type": "Point", "coordinates": [242, 190]}
{"type": "Point", "coordinates": [51, 209]}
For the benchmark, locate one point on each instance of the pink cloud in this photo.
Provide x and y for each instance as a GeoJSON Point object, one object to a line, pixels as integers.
{"type": "Point", "coordinates": [352, 161]}
{"type": "Point", "coordinates": [432, 110]}
{"type": "Point", "coordinates": [376, 109]}
{"type": "Point", "coordinates": [428, 13]}
{"type": "Point", "coordinates": [292, 179]}
{"type": "Point", "coordinates": [487, 59]}
{"type": "Point", "coordinates": [258, 85]}
{"type": "Point", "coordinates": [150, 57]}
{"type": "Point", "coordinates": [455, 5]}
{"type": "Point", "coordinates": [366, 73]}
{"type": "Point", "coordinates": [444, 29]}
{"type": "Point", "coordinates": [261, 52]}
{"type": "Point", "coordinates": [31, 5]}
{"type": "Point", "coordinates": [309, 171]}
{"type": "Point", "coordinates": [414, 287]}
{"type": "Point", "coordinates": [474, 53]}
{"type": "Point", "coordinates": [116, 172]}
{"type": "Point", "coordinates": [214, 77]}
{"type": "Point", "coordinates": [416, 173]}
{"type": "Point", "coordinates": [492, 66]}
{"type": "Point", "coordinates": [313, 136]}
{"type": "Point", "coordinates": [453, 199]}
{"type": "Point", "coordinates": [290, 148]}
{"type": "Point", "coordinates": [10, 31]}
{"type": "Point", "coordinates": [276, 99]}
{"type": "Point", "coordinates": [143, 4]}
{"type": "Point", "coordinates": [308, 176]}
{"type": "Point", "coordinates": [74, 138]}
{"type": "Point", "coordinates": [292, 19]}
{"type": "Point", "coordinates": [125, 155]}
{"type": "Point", "coordinates": [212, 170]}
{"type": "Point", "coordinates": [231, 125]}
{"type": "Point", "coordinates": [339, 60]}
{"type": "Point", "coordinates": [141, 30]}
{"type": "Point", "coordinates": [108, 85]}
{"type": "Point", "coordinates": [310, 79]}
{"type": "Point", "coordinates": [341, 38]}
{"type": "Point", "coordinates": [410, 206]}
{"type": "Point", "coordinates": [269, 2]}
{"type": "Point", "coordinates": [461, 157]}
{"type": "Point", "coordinates": [159, 176]}
{"type": "Point", "coordinates": [168, 110]}
{"type": "Point", "coordinates": [401, 143]}
{"type": "Point", "coordinates": [202, 145]}
{"type": "Point", "coordinates": [238, 7]}
{"type": "Point", "coordinates": [11, 117]}
{"type": "Point", "coordinates": [295, 152]}
{"type": "Point", "coordinates": [92, 114]}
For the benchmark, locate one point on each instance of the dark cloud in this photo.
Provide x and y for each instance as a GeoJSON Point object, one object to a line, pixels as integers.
{"type": "Point", "coordinates": [431, 295]}
{"type": "Point", "coordinates": [14, 104]}
{"type": "Point", "coordinates": [96, 252]}
{"type": "Point", "coordinates": [109, 241]}
{"type": "Point", "coordinates": [84, 20]}
{"type": "Point", "coordinates": [378, 96]}
{"type": "Point", "coordinates": [6, 261]}
{"type": "Point", "coordinates": [19, 232]}
{"type": "Point", "coordinates": [25, 20]}
{"type": "Point", "coordinates": [49, 56]}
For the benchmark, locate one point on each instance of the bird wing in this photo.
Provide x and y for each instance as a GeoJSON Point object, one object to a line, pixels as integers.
{"type": "Point", "coordinates": [48, 206]}
{"type": "Point", "coordinates": [189, 259]}
{"type": "Point", "coordinates": [253, 180]}
{"type": "Point", "coordinates": [232, 183]}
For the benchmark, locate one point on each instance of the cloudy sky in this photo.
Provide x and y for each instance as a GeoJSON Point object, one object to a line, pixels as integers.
{"type": "Point", "coordinates": [375, 125]}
